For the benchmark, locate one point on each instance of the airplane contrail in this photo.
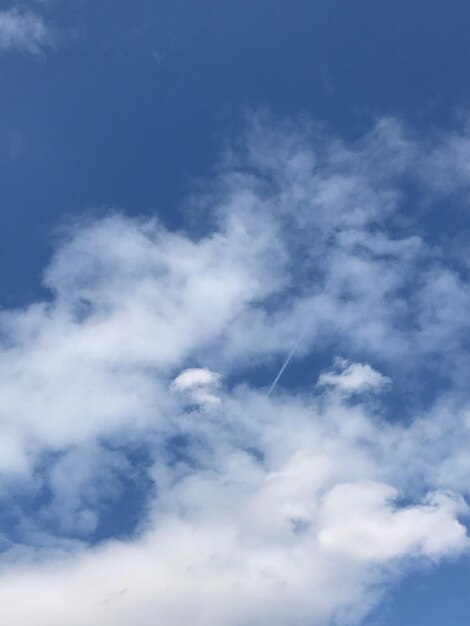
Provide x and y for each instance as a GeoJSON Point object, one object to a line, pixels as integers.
{"type": "Point", "coordinates": [285, 364]}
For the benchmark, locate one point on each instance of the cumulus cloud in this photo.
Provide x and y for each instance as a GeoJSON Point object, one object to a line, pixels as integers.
{"type": "Point", "coordinates": [195, 377]}
{"type": "Point", "coordinates": [24, 31]}
{"type": "Point", "coordinates": [199, 383]}
{"type": "Point", "coordinates": [149, 361]}
{"type": "Point", "coordinates": [352, 378]}
{"type": "Point", "coordinates": [360, 523]}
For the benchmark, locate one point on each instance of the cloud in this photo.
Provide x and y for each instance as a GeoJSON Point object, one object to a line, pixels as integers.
{"type": "Point", "coordinates": [199, 383]}
{"type": "Point", "coordinates": [151, 360]}
{"type": "Point", "coordinates": [195, 377]}
{"type": "Point", "coordinates": [24, 31]}
{"type": "Point", "coordinates": [359, 522]}
{"type": "Point", "coordinates": [353, 378]}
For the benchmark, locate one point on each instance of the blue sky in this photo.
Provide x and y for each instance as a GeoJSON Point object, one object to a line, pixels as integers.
{"type": "Point", "coordinates": [194, 194]}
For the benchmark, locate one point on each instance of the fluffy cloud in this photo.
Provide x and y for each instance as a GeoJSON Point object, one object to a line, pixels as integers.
{"type": "Point", "coordinates": [148, 363]}
{"type": "Point", "coordinates": [24, 31]}
{"type": "Point", "coordinates": [353, 377]}
{"type": "Point", "coordinates": [199, 383]}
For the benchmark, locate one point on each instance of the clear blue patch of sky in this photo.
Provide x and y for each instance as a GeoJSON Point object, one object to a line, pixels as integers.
{"type": "Point", "coordinates": [434, 597]}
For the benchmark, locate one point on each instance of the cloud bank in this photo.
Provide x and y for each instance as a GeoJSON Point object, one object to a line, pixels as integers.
{"type": "Point", "coordinates": [145, 363]}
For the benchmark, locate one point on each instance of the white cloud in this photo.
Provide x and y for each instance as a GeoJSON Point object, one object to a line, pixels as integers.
{"type": "Point", "coordinates": [358, 521]}
{"type": "Point", "coordinates": [353, 378]}
{"type": "Point", "coordinates": [239, 541]}
{"type": "Point", "coordinates": [24, 31]}
{"type": "Point", "coordinates": [282, 510]}
{"type": "Point", "coordinates": [196, 377]}
{"type": "Point", "coordinates": [199, 384]}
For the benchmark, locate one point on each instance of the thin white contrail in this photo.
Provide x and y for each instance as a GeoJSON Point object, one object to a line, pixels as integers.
{"type": "Point", "coordinates": [285, 364]}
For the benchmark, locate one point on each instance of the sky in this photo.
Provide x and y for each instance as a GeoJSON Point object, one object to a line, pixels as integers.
{"type": "Point", "coordinates": [234, 294]}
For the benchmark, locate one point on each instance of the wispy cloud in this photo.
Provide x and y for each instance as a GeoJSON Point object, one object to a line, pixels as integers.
{"type": "Point", "coordinates": [24, 31]}
{"type": "Point", "coordinates": [275, 510]}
